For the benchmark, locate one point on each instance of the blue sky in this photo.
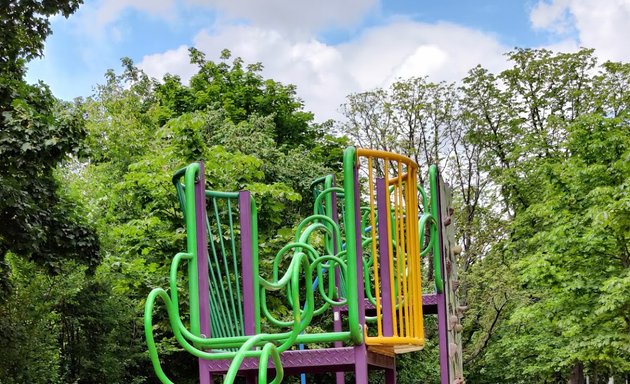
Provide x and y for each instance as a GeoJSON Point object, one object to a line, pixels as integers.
{"type": "Point", "coordinates": [328, 48]}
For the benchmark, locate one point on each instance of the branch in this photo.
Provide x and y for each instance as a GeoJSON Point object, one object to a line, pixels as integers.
{"type": "Point", "coordinates": [498, 311]}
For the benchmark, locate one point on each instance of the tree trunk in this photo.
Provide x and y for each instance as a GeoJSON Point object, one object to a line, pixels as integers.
{"type": "Point", "coordinates": [577, 374]}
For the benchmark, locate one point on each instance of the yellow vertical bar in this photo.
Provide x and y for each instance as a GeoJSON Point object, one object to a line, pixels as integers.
{"type": "Point", "coordinates": [403, 249]}
{"type": "Point", "coordinates": [411, 220]}
{"type": "Point", "coordinates": [377, 288]}
{"type": "Point", "coordinates": [418, 259]}
{"type": "Point", "coordinates": [408, 256]}
{"type": "Point", "coordinates": [410, 253]}
{"type": "Point", "coordinates": [405, 277]}
{"type": "Point", "coordinates": [399, 261]}
{"type": "Point", "coordinates": [413, 238]}
{"type": "Point", "coordinates": [416, 252]}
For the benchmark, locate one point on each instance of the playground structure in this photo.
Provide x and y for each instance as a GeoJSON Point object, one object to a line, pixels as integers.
{"type": "Point", "coordinates": [356, 259]}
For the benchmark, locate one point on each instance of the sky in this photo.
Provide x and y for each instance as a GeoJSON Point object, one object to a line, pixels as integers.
{"type": "Point", "coordinates": [327, 48]}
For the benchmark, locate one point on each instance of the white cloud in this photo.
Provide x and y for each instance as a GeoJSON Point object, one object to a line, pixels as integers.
{"type": "Point", "coordinates": [174, 61]}
{"type": "Point", "coordinates": [602, 25]}
{"type": "Point", "coordinates": [442, 51]}
{"type": "Point", "coordinates": [297, 16]}
{"type": "Point", "coordinates": [326, 74]}
{"type": "Point", "coordinates": [417, 63]}
{"type": "Point", "coordinates": [316, 68]}
{"type": "Point", "coordinates": [281, 35]}
{"type": "Point", "coordinates": [553, 16]}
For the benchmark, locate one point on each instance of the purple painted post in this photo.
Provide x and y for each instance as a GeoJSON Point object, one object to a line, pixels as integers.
{"type": "Point", "coordinates": [202, 267]}
{"type": "Point", "coordinates": [383, 243]}
{"type": "Point", "coordinates": [244, 203]}
{"type": "Point", "coordinates": [382, 202]}
{"type": "Point", "coordinates": [360, 351]}
{"type": "Point", "coordinates": [337, 326]}
{"type": "Point", "coordinates": [390, 376]}
{"type": "Point", "coordinates": [247, 265]}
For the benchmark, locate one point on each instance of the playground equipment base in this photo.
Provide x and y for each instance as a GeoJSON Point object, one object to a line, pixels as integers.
{"type": "Point", "coordinates": [310, 360]}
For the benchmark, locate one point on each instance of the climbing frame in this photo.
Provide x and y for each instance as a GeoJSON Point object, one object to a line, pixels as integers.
{"type": "Point", "coordinates": [366, 275]}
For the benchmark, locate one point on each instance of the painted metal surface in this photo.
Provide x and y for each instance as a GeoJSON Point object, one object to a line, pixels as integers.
{"type": "Point", "coordinates": [248, 263]}
{"type": "Point", "coordinates": [202, 268]}
{"type": "Point", "coordinates": [389, 185]}
{"type": "Point", "coordinates": [360, 350]}
{"type": "Point", "coordinates": [382, 197]}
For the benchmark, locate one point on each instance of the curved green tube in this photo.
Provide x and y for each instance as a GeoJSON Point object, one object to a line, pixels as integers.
{"type": "Point", "coordinates": [435, 231]}
{"type": "Point", "coordinates": [421, 230]}
{"type": "Point", "coordinates": [352, 295]}
{"type": "Point", "coordinates": [270, 349]}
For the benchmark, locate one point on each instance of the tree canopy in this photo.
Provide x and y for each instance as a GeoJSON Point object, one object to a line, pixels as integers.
{"type": "Point", "coordinates": [36, 134]}
{"type": "Point", "coordinates": [538, 155]}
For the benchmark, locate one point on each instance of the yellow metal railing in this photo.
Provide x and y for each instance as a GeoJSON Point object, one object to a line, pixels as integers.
{"type": "Point", "coordinates": [388, 184]}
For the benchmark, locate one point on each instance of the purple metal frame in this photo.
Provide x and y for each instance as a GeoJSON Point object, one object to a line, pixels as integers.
{"type": "Point", "coordinates": [245, 211]}
{"type": "Point", "coordinates": [312, 361]}
{"type": "Point", "coordinates": [442, 330]}
{"type": "Point", "coordinates": [382, 203]}
{"type": "Point", "coordinates": [247, 258]}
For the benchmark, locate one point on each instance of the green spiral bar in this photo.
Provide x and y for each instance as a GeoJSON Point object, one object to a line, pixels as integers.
{"type": "Point", "coordinates": [434, 231]}
{"type": "Point", "coordinates": [270, 349]}
{"type": "Point", "coordinates": [422, 222]}
{"type": "Point", "coordinates": [352, 295]}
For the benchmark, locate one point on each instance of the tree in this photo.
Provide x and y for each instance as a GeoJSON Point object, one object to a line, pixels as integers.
{"type": "Point", "coordinates": [35, 136]}
{"type": "Point", "coordinates": [528, 121]}
{"type": "Point", "coordinates": [241, 91]}
{"type": "Point", "coordinates": [515, 147]}
{"type": "Point", "coordinates": [569, 249]}
{"type": "Point", "coordinates": [28, 341]}
{"type": "Point", "coordinates": [48, 251]}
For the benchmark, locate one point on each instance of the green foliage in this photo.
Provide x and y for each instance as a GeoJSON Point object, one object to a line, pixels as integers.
{"type": "Point", "coordinates": [538, 157]}
{"type": "Point", "coordinates": [240, 92]}
{"type": "Point", "coordinates": [562, 165]}
{"type": "Point", "coordinates": [36, 134]}
{"type": "Point", "coordinates": [410, 367]}
{"type": "Point", "coordinates": [61, 329]}
{"type": "Point", "coordinates": [29, 328]}
{"type": "Point", "coordinates": [580, 244]}
{"type": "Point", "coordinates": [38, 222]}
